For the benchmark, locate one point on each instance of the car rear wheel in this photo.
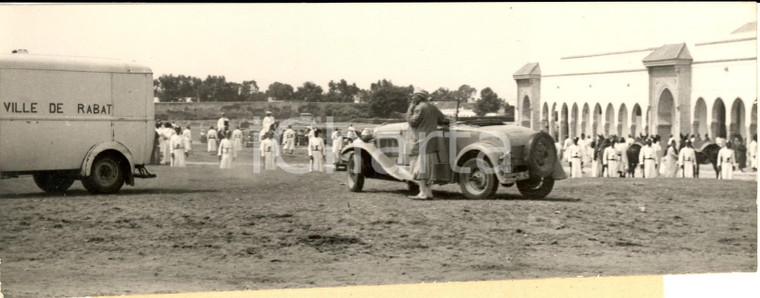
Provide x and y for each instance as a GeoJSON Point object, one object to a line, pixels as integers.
{"type": "Point", "coordinates": [477, 183]}
{"type": "Point", "coordinates": [53, 182]}
{"type": "Point", "coordinates": [106, 175]}
{"type": "Point", "coordinates": [354, 169]}
{"type": "Point", "coordinates": [536, 188]}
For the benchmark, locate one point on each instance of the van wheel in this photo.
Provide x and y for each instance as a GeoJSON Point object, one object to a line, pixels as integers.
{"type": "Point", "coordinates": [106, 175]}
{"type": "Point", "coordinates": [355, 176]}
{"type": "Point", "coordinates": [53, 182]}
{"type": "Point", "coordinates": [478, 184]}
{"type": "Point", "coordinates": [536, 188]}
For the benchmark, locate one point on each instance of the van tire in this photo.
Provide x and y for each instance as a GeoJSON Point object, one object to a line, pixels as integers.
{"type": "Point", "coordinates": [53, 182]}
{"type": "Point", "coordinates": [106, 175]}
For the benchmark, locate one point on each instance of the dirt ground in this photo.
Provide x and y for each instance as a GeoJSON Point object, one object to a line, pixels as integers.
{"type": "Point", "coordinates": [200, 228]}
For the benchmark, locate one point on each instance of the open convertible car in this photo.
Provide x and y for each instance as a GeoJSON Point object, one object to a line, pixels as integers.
{"type": "Point", "coordinates": [478, 154]}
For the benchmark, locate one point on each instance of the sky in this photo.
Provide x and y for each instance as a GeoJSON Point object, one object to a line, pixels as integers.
{"type": "Point", "coordinates": [426, 45]}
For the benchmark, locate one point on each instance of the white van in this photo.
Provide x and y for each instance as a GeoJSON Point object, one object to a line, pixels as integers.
{"type": "Point", "coordinates": [64, 119]}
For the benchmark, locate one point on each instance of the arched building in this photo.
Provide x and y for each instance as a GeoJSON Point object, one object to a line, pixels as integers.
{"type": "Point", "coordinates": [705, 88]}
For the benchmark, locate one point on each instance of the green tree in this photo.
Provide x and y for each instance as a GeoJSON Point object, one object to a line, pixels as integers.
{"type": "Point", "coordinates": [489, 102]}
{"type": "Point", "coordinates": [280, 91]}
{"type": "Point", "coordinates": [442, 94]}
{"type": "Point", "coordinates": [464, 93]}
{"type": "Point", "coordinates": [309, 92]}
{"type": "Point", "coordinates": [341, 91]}
{"type": "Point", "coordinates": [386, 98]}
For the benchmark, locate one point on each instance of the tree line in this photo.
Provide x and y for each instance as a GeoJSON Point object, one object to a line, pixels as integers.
{"type": "Point", "coordinates": [383, 97]}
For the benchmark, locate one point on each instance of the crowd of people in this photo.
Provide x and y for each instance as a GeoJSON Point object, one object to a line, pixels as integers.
{"type": "Point", "coordinates": [677, 159]}
{"type": "Point", "coordinates": [173, 144]}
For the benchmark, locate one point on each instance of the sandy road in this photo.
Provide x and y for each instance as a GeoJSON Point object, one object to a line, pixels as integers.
{"type": "Point", "coordinates": [200, 228]}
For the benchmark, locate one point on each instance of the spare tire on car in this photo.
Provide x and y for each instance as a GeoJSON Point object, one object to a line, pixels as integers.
{"type": "Point", "coordinates": [540, 155]}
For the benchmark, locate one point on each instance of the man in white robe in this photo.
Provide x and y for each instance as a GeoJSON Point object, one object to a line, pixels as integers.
{"type": "Point", "coordinates": [288, 140]}
{"type": "Point", "coordinates": [687, 161]}
{"type": "Point", "coordinates": [621, 148]}
{"type": "Point", "coordinates": [177, 145]}
{"type": "Point", "coordinates": [221, 123]}
{"type": "Point", "coordinates": [225, 152]}
{"type": "Point", "coordinates": [337, 144]}
{"type": "Point", "coordinates": [610, 159]}
{"type": "Point", "coordinates": [648, 160]}
{"type": "Point", "coordinates": [187, 136]}
{"type": "Point", "coordinates": [726, 161]}
{"type": "Point", "coordinates": [211, 137]}
{"type": "Point", "coordinates": [166, 135]}
{"type": "Point", "coordinates": [266, 124]}
{"type": "Point", "coordinates": [237, 141]}
{"type": "Point", "coordinates": [576, 158]}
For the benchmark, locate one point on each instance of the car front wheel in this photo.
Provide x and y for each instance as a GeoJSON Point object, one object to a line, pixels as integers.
{"type": "Point", "coordinates": [477, 183]}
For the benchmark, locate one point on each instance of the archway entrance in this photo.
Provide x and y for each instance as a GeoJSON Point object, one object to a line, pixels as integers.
{"type": "Point", "coordinates": [525, 113]}
{"type": "Point", "coordinates": [636, 127]}
{"type": "Point", "coordinates": [574, 122]}
{"type": "Point", "coordinates": [699, 126]}
{"type": "Point", "coordinates": [738, 119]}
{"type": "Point", "coordinates": [596, 126]}
{"type": "Point", "coordinates": [564, 125]}
{"type": "Point", "coordinates": [545, 118]}
{"type": "Point", "coordinates": [718, 125]}
{"type": "Point", "coordinates": [666, 111]}
{"type": "Point", "coordinates": [622, 128]}
{"type": "Point", "coordinates": [609, 121]}
{"type": "Point", "coordinates": [585, 127]}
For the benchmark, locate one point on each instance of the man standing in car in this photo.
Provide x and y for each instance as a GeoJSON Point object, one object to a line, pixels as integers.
{"type": "Point", "coordinates": [423, 119]}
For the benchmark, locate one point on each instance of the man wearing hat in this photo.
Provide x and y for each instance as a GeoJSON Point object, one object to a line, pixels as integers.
{"type": "Point", "coordinates": [423, 119]}
{"type": "Point", "coordinates": [220, 125]}
{"type": "Point", "coordinates": [268, 121]}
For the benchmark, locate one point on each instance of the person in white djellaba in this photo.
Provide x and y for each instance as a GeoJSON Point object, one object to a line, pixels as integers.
{"type": "Point", "coordinates": [267, 151]}
{"type": "Point", "coordinates": [687, 161]}
{"type": "Point", "coordinates": [288, 140]}
{"type": "Point", "coordinates": [726, 160]}
{"type": "Point", "coordinates": [187, 135]}
{"type": "Point", "coordinates": [237, 141]}
{"type": "Point", "coordinates": [225, 152]}
{"type": "Point", "coordinates": [266, 124]}
{"type": "Point", "coordinates": [167, 134]}
{"type": "Point", "coordinates": [222, 123]}
{"type": "Point", "coordinates": [337, 144]}
{"type": "Point", "coordinates": [610, 160]}
{"type": "Point", "coordinates": [317, 151]}
{"type": "Point", "coordinates": [177, 144]}
{"type": "Point", "coordinates": [648, 160]}
{"type": "Point", "coordinates": [576, 157]}
{"type": "Point", "coordinates": [211, 137]}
